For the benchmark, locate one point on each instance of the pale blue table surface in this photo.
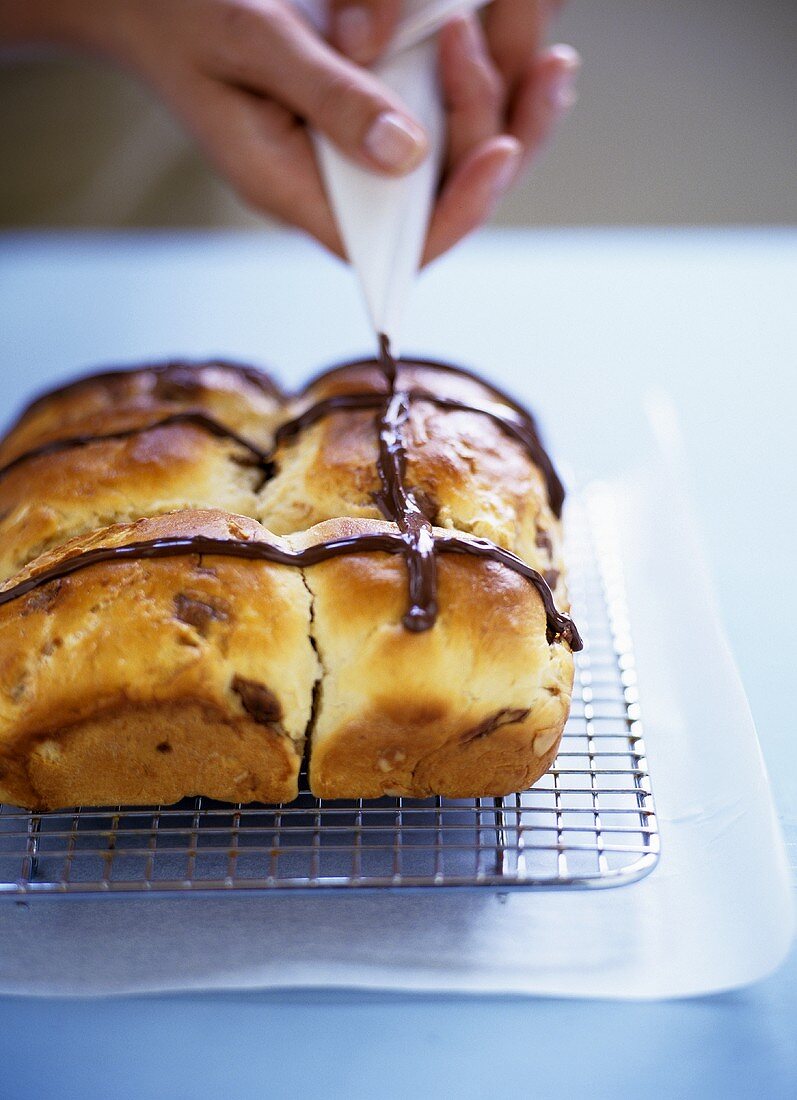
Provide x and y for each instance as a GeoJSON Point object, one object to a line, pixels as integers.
{"type": "Point", "coordinates": [591, 320]}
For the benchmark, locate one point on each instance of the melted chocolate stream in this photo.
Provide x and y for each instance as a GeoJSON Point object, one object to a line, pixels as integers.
{"type": "Point", "coordinates": [398, 504]}
{"type": "Point", "coordinates": [415, 538]}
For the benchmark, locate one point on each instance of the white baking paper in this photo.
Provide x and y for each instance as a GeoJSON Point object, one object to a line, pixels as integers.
{"type": "Point", "coordinates": [716, 913]}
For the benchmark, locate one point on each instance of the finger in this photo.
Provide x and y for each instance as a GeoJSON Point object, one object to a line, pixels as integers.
{"type": "Point", "coordinates": [361, 29]}
{"type": "Point", "coordinates": [473, 91]}
{"type": "Point", "coordinates": [515, 31]}
{"type": "Point", "coordinates": [472, 193]}
{"type": "Point", "coordinates": [544, 95]}
{"type": "Point", "coordinates": [269, 49]}
{"type": "Point", "coordinates": [265, 153]}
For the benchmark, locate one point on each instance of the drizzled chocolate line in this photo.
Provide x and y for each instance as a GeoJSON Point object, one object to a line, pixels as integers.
{"type": "Point", "coordinates": [197, 419]}
{"type": "Point", "coordinates": [426, 364]}
{"type": "Point", "coordinates": [559, 626]}
{"type": "Point", "coordinates": [398, 504]}
{"type": "Point", "coordinates": [180, 372]}
{"type": "Point", "coordinates": [323, 408]}
{"type": "Point", "coordinates": [518, 425]}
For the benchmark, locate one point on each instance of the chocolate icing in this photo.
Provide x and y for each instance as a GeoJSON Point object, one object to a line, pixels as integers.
{"type": "Point", "coordinates": [327, 405]}
{"type": "Point", "coordinates": [415, 538]}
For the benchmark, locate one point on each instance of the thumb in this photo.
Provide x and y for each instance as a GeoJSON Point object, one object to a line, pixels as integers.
{"type": "Point", "coordinates": [361, 29]}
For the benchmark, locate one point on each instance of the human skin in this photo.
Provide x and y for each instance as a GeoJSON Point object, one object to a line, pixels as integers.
{"type": "Point", "coordinates": [247, 77]}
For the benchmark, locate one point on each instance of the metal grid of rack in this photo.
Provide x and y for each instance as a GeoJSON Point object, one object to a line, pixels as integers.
{"type": "Point", "coordinates": [589, 822]}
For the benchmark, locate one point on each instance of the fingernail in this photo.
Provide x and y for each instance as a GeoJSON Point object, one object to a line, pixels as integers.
{"type": "Point", "coordinates": [394, 142]}
{"type": "Point", "coordinates": [561, 91]}
{"type": "Point", "coordinates": [353, 30]}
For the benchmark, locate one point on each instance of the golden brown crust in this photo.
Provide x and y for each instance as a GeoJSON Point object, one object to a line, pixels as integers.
{"type": "Point", "coordinates": [159, 469]}
{"type": "Point", "coordinates": [153, 754]}
{"type": "Point", "coordinates": [241, 397]}
{"type": "Point", "coordinates": [127, 645]}
{"type": "Point", "coordinates": [475, 706]}
{"type": "Point", "coordinates": [146, 680]}
{"type": "Point", "coordinates": [119, 481]}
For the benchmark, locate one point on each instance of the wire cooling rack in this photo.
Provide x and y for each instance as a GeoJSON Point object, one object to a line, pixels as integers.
{"type": "Point", "coordinates": [589, 822]}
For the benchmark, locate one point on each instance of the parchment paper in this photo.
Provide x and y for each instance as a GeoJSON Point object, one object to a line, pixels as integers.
{"type": "Point", "coordinates": [716, 913]}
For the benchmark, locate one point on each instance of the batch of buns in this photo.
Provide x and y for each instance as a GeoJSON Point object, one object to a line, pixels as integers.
{"type": "Point", "coordinates": [142, 681]}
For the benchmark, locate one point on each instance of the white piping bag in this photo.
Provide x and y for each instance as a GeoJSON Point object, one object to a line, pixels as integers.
{"type": "Point", "coordinates": [384, 221]}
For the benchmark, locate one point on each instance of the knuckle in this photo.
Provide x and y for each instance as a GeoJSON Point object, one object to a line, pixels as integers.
{"type": "Point", "coordinates": [492, 86]}
{"type": "Point", "coordinates": [242, 30]}
{"type": "Point", "coordinates": [238, 16]}
{"type": "Point", "coordinates": [341, 100]}
{"type": "Point", "coordinates": [235, 24]}
{"type": "Point", "coordinates": [482, 88]}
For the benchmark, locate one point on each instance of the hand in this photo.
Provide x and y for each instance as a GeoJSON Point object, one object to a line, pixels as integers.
{"type": "Point", "coordinates": [246, 75]}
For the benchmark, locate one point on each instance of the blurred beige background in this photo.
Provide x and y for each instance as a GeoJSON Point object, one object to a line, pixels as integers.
{"type": "Point", "coordinates": [687, 114]}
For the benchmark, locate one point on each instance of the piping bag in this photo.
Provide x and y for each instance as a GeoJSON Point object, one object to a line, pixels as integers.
{"type": "Point", "coordinates": [384, 220]}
